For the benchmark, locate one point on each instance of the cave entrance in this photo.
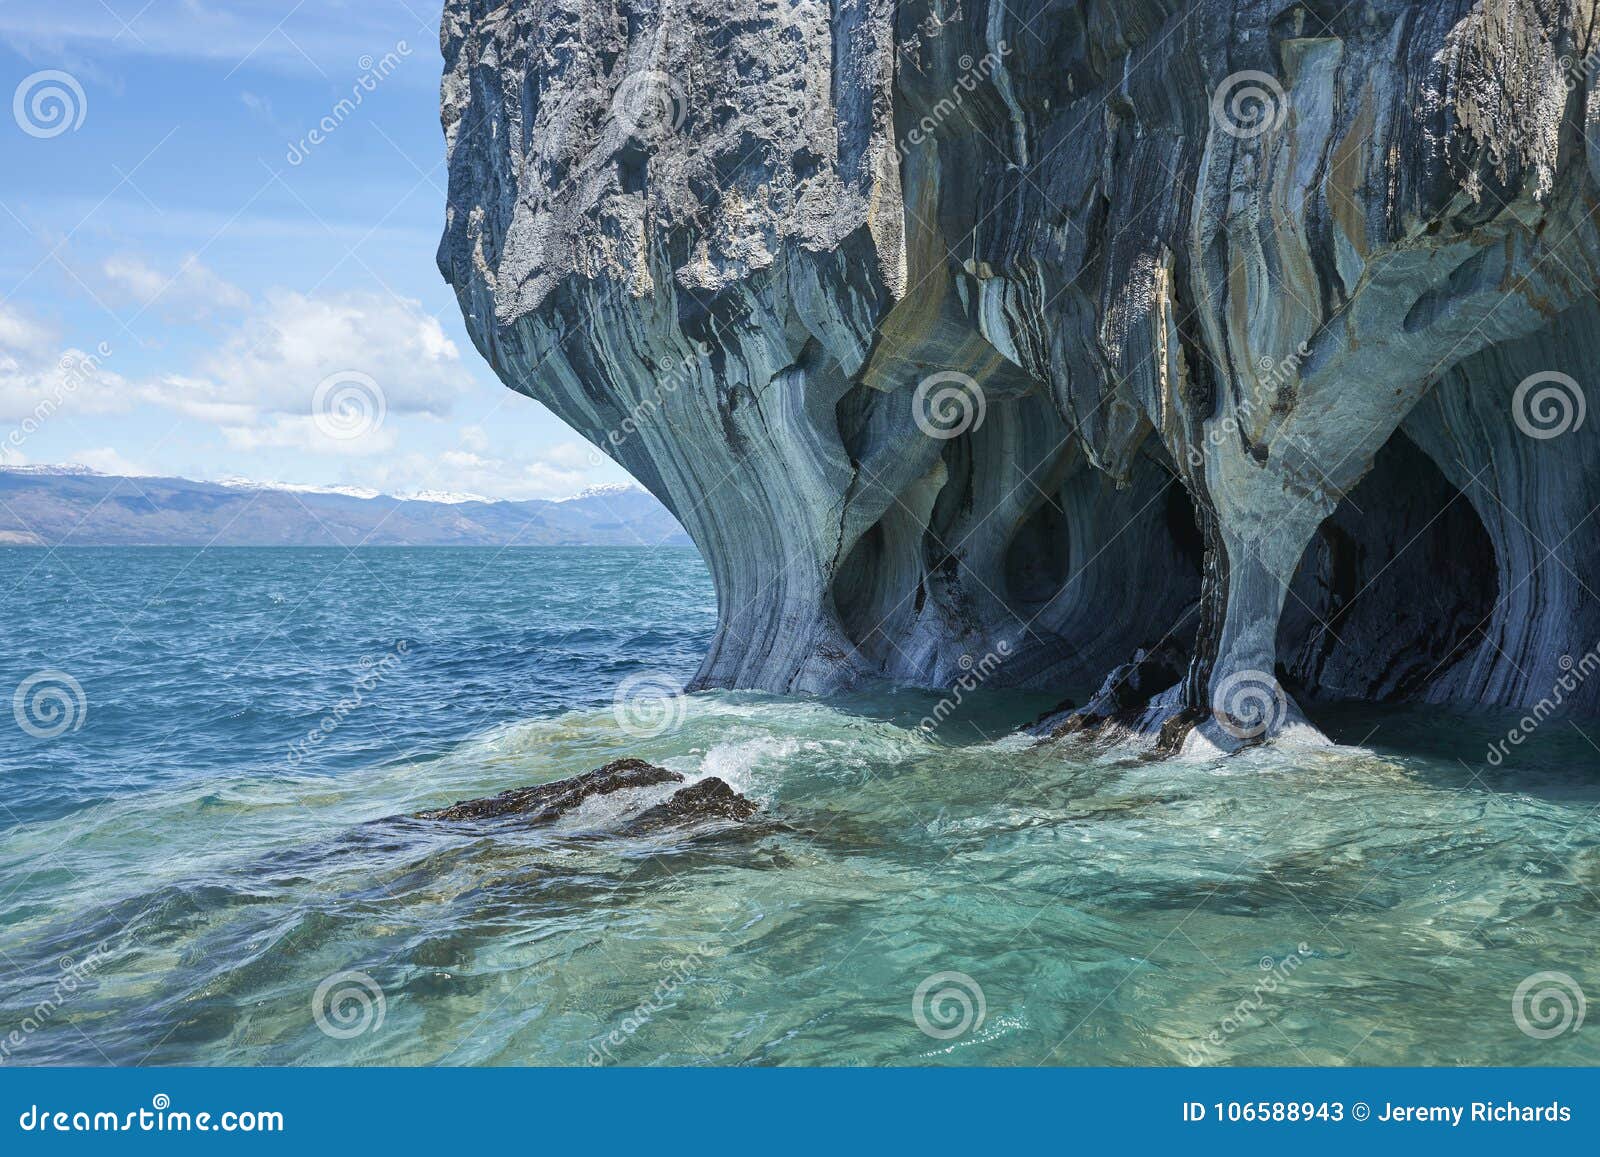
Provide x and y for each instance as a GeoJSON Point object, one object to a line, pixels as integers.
{"type": "Point", "coordinates": [1393, 590]}
{"type": "Point", "coordinates": [1038, 559]}
{"type": "Point", "coordinates": [1107, 569]}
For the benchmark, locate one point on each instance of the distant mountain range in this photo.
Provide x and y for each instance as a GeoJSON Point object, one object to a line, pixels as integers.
{"type": "Point", "coordinates": [74, 506]}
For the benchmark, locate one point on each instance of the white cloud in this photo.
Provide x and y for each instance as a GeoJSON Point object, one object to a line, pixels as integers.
{"type": "Point", "coordinates": [109, 461]}
{"type": "Point", "coordinates": [260, 107]}
{"type": "Point", "coordinates": [39, 378]}
{"type": "Point", "coordinates": [240, 33]}
{"type": "Point", "coordinates": [576, 456]}
{"type": "Point", "coordinates": [259, 388]}
{"type": "Point", "coordinates": [192, 292]}
{"type": "Point", "coordinates": [301, 432]}
{"type": "Point", "coordinates": [201, 399]}
{"type": "Point", "coordinates": [276, 359]}
{"type": "Point", "coordinates": [21, 335]}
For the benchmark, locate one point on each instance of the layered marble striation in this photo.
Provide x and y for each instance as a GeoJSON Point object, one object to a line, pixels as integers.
{"type": "Point", "coordinates": [1080, 335]}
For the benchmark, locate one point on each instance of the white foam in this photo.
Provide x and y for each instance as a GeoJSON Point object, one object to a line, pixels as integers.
{"type": "Point", "coordinates": [735, 762]}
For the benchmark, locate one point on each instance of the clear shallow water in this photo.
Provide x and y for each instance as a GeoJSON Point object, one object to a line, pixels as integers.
{"type": "Point", "coordinates": [1112, 910]}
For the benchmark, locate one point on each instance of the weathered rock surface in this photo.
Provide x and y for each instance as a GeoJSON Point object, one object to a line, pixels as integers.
{"type": "Point", "coordinates": [1250, 292]}
{"type": "Point", "coordinates": [709, 800]}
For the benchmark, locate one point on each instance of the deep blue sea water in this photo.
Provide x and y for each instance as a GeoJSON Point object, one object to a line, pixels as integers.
{"type": "Point", "coordinates": [195, 663]}
{"type": "Point", "coordinates": [200, 867]}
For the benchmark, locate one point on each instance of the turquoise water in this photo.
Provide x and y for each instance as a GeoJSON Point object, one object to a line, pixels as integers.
{"type": "Point", "coordinates": [187, 877]}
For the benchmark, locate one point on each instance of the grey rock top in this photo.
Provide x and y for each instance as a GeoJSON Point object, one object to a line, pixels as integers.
{"type": "Point", "coordinates": [1258, 331]}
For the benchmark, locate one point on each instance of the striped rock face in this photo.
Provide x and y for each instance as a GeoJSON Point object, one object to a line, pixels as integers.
{"type": "Point", "coordinates": [1246, 342]}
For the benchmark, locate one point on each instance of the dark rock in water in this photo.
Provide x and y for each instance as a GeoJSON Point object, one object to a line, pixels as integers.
{"type": "Point", "coordinates": [709, 800]}
{"type": "Point", "coordinates": [1170, 739]}
{"type": "Point", "coordinates": [550, 801]}
{"type": "Point", "coordinates": [1052, 713]}
{"type": "Point", "coordinates": [1121, 698]}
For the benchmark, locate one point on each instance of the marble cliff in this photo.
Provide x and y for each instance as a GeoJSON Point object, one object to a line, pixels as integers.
{"type": "Point", "coordinates": [1236, 349]}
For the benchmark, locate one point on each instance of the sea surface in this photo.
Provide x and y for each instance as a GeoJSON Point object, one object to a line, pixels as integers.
{"type": "Point", "coordinates": [199, 866]}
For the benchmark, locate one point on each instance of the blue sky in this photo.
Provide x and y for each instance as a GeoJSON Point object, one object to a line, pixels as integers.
{"type": "Point", "coordinates": [181, 267]}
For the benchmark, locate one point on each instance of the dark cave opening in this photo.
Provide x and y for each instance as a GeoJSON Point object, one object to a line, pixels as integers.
{"type": "Point", "coordinates": [1393, 590]}
{"type": "Point", "coordinates": [1114, 569]}
{"type": "Point", "coordinates": [1038, 559]}
{"type": "Point", "coordinates": [1184, 526]}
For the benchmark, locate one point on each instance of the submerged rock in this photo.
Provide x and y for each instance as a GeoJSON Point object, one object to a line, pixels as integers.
{"type": "Point", "coordinates": [1068, 327]}
{"type": "Point", "coordinates": [708, 800]}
